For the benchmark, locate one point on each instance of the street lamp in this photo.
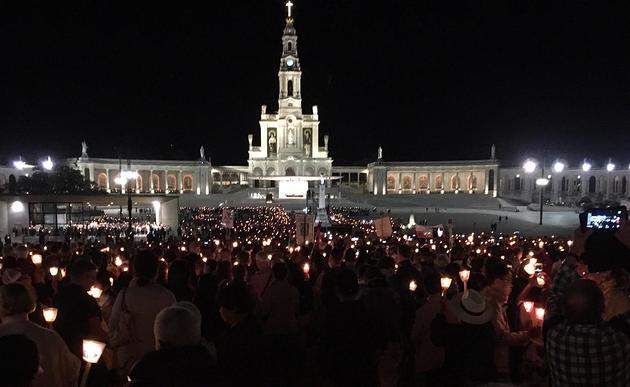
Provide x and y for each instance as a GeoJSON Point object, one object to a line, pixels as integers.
{"type": "Point", "coordinates": [586, 166]}
{"type": "Point", "coordinates": [558, 166]}
{"type": "Point", "coordinates": [123, 179]}
{"type": "Point", "coordinates": [48, 164]}
{"type": "Point", "coordinates": [529, 166]}
{"type": "Point", "coordinates": [21, 164]}
{"type": "Point", "coordinates": [610, 166]}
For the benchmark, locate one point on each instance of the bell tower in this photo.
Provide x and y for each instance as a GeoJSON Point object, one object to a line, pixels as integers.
{"type": "Point", "coordinates": [289, 75]}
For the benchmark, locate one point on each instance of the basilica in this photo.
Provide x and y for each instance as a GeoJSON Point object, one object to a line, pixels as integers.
{"type": "Point", "coordinates": [292, 157]}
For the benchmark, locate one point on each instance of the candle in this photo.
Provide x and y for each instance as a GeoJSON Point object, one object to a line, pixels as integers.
{"type": "Point", "coordinates": [95, 292]}
{"type": "Point", "coordinates": [528, 306]}
{"type": "Point", "coordinates": [540, 281]}
{"type": "Point", "coordinates": [92, 350]}
{"type": "Point", "coordinates": [540, 314]}
{"type": "Point", "coordinates": [530, 268]}
{"type": "Point", "coordinates": [413, 286]}
{"type": "Point", "coordinates": [446, 283]}
{"type": "Point", "coordinates": [54, 270]}
{"type": "Point", "coordinates": [63, 273]}
{"type": "Point", "coordinates": [235, 244]}
{"type": "Point", "coordinates": [50, 314]}
{"type": "Point", "coordinates": [36, 259]}
{"type": "Point", "coordinates": [118, 261]}
{"type": "Point", "coordinates": [306, 268]}
{"type": "Point", "coordinates": [464, 275]}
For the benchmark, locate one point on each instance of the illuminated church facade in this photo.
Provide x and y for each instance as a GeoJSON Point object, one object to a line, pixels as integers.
{"type": "Point", "coordinates": [290, 147]}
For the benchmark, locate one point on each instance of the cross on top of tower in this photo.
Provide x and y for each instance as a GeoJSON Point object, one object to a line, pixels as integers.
{"type": "Point", "coordinates": [289, 5]}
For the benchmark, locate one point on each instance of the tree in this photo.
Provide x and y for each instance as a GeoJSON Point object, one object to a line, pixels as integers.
{"type": "Point", "coordinates": [63, 180]}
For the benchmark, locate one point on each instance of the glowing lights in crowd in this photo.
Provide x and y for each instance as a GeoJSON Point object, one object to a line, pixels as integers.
{"type": "Point", "coordinates": [50, 314]}
{"type": "Point", "coordinates": [445, 282]}
{"type": "Point", "coordinates": [36, 259]}
{"type": "Point", "coordinates": [95, 292]}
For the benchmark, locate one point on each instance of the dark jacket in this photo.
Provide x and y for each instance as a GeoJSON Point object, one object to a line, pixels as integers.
{"type": "Point", "coordinates": [239, 353]}
{"type": "Point", "coordinates": [174, 367]}
{"type": "Point", "coordinates": [469, 351]}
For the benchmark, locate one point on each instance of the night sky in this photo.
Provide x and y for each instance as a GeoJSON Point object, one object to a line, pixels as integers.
{"type": "Point", "coordinates": [426, 80]}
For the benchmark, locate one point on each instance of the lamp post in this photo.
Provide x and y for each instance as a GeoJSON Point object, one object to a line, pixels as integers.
{"type": "Point", "coordinates": [530, 167]}
{"type": "Point", "coordinates": [123, 180]}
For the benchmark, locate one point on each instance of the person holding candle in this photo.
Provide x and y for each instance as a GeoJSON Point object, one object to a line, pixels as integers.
{"type": "Point", "coordinates": [239, 348]}
{"type": "Point", "coordinates": [575, 335]}
{"type": "Point", "coordinates": [349, 339]}
{"type": "Point", "coordinates": [179, 359]}
{"type": "Point", "coordinates": [463, 328]}
{"type": "Point", "coordinates": [60, 367]}
{"type": "Point", "coordinates": [279, 310]}
{"type": "Point", "coordinates": [429, 358]}
{"type": "Point", "coordinates": [499, 280]}
{"type": "Point", "coordinates": [79, 315]}
{"type": "Point", "coordinates": [135, 310]}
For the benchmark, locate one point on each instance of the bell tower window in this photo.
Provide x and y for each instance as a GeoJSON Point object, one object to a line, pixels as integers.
{"type": "Point", "coordinates": [290, 88]}
{"type": "Point", "coordinates": [289, 46]}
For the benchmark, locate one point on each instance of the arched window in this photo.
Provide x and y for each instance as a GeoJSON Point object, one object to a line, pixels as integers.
{"type": "Point", "coordinates": [172, 183]}
{"type": "Point", "coordinates": [156, 182]}
{"type": "Point", "coordinates": [624, 185]}
{"type": "Point", "coordinates": [139, 183]}
{"type": "Point", "coordinates": [491, 180]}
{"type": "Point", "coordinates": [188, 183]}
{"type": "Point", "coordinates": [564, 187]}
{"type": "Point", "coordinates": [391, 182]}
{"type": "Point", "coordinates": [289, 172]}
{"type": "Point", "coordinates": [290, 88]}
{"type": "Point", "coordinates": [454, 182]}
{"type": "Point", "coordinates": [472, 182]}
{"type": "Point", "coordinates": [616, 184]}
{"type": "Point", "coordinates": [101, 181]}
{"type": "Point", "coordinates": [422, 182]}
{"type": "Point", "coordinates": [592, 184]}
{"type": "Point", "coordinates": [289, 46]}
{"type": "Point", "coordinates": [406, 182]}
{"type": "Point", "coordinates": [517, 183]}
{"type": "Point", "coordinates": [438, 182]}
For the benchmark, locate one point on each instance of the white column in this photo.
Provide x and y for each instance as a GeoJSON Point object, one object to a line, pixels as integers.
{"type": "Point", "coordinates": [108, 189]}
{"type": "Point", "coordinates": [137, 185]}
{"type": "Point", "coordinates": [152, 188]}
{"type": "Point", "coordinates": [180, 182]}
{"type": "Point", "coordinates": [413, 185]}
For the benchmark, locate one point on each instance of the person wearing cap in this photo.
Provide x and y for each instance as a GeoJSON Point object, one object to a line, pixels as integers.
{"type": "Point", "coordinates": [464, 329]}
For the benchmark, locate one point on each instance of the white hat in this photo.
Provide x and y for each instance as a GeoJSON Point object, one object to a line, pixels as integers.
{"type": "Point", "coordinates": [470, 307]}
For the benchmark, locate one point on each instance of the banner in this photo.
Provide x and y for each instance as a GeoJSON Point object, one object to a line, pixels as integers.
{"type": "Point", "coordinates": [383, 227]}
{"type": "Point", "coordinates": [429, 232]}
{"type": "Point", "coordinates": [227, 218]}
{"type": "Point", "coordinates": [304, 228]}
{"type": "Point", "coordinates": [424, 232]}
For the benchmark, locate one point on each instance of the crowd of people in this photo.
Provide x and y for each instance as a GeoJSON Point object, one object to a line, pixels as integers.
{"type": "Point", "coordinates": [251, 307]}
